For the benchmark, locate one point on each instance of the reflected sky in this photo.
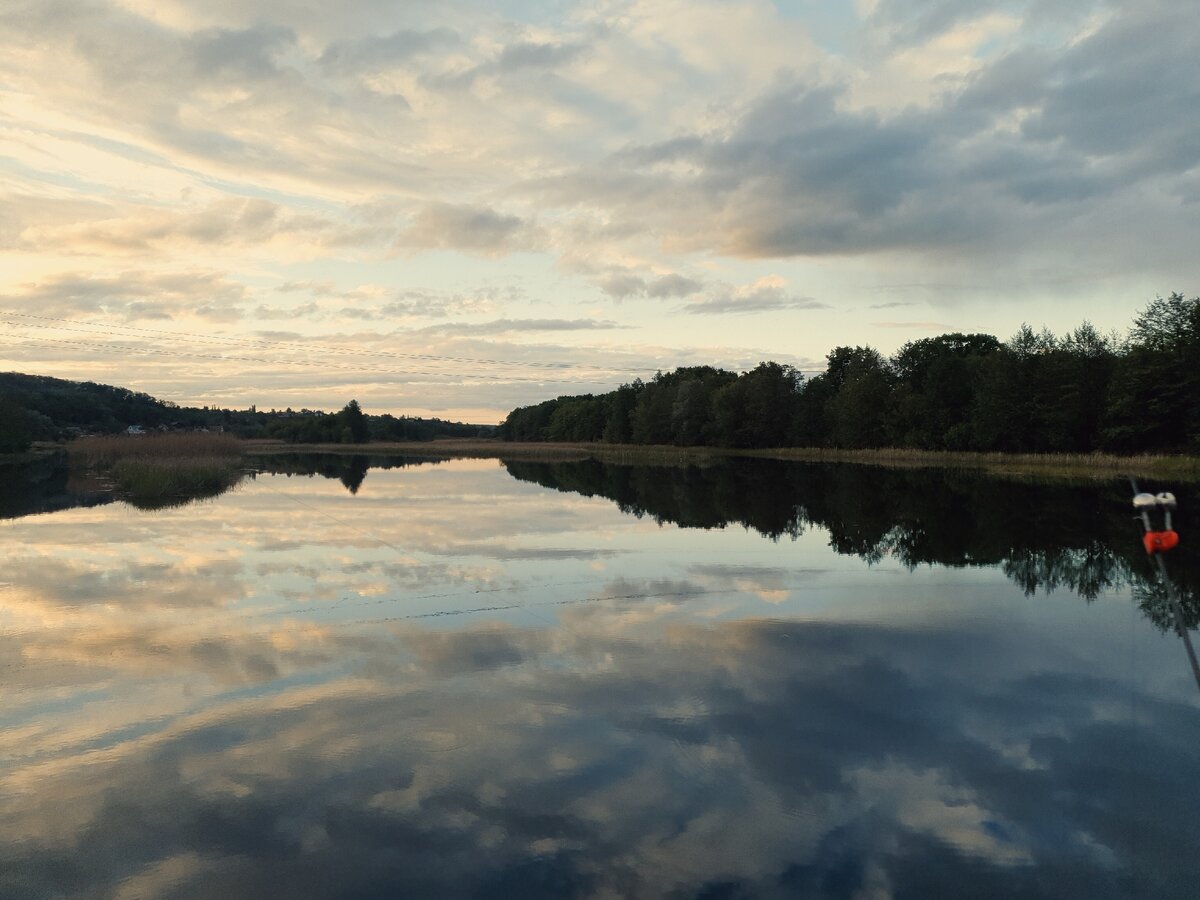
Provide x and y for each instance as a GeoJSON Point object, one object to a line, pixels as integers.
{"type": "Point", "coordinates": [455, 682]}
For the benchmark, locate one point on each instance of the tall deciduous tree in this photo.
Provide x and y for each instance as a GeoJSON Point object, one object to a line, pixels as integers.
{"type": "Point", "coordinates": [353, 423]}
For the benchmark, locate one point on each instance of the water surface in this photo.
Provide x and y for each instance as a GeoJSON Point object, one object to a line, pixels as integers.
{"type": "Point", "coordinates": [526, 679]}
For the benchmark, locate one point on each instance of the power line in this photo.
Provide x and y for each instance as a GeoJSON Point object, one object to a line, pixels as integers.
{"type": "Point", "coordinates": [115, 330]}
{"type": "Point", "coordinates": [107, 328]}
{"type": "Point", "coordinates": [323, 366]}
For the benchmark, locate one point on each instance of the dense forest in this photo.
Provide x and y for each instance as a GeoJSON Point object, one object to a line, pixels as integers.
{"type": "Point", "coordinates": [1036, 392]}
{"type": "Point", "coordinates": [39, 408]}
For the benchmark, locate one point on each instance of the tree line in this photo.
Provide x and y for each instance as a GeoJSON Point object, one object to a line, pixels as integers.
{"type": "Point", "coordinates": [40, 408]}
{"type": "Point", "coordinates": [1036, 392]}
{"type": "Point", "coordinates": [352, 426]}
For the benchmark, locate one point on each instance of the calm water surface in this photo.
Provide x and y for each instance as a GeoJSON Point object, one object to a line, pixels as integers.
{"type": "Point", "coordinates": [472, 678]}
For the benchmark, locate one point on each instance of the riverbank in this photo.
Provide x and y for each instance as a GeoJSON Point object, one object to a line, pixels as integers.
{"type": "Point", "coordinates": [1067, 465]}
{"type": "Point", "coordinates": [159, 470]}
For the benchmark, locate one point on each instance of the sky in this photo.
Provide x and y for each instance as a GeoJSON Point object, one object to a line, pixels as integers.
{"type": "Point", "coordinates": [453, 208]}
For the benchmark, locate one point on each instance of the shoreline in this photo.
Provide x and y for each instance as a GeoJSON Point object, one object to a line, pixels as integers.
{"type": "Point", "coordinates": [1064, 465]}
{"type": "Point", "coordinates": [1050, 465]}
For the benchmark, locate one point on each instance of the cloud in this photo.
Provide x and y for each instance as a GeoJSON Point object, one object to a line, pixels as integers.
{"type": "Point", "coordinates": [303, 310]}
{"type": "Point", "coordinates": [924, 326]}
{"type": "Point", "coordinates": [1028, 148]}
{"type": "Point", "coordinates": [375, 302]}
{"type": "Point", "coordinates": [505, 747]}
{"type": "Point", "coordinates": [673, 286]}
{"type": "Point", "coordinates": [622, 284]}
{"type": "Point", "coordinates": [223, 223]}
{"type": "Point", "coordinates": [654, 152]}
{"type": "Point", "coordinates": [132, 295]}
{"type": "Point", "coordinates": [476, 229]}
{"type": "Point", "coordinates": [910, 22]}
{"type": "Point", "coordinates": [375, 53]}
{"type": "Point", "coordinates": [767, 294]}
{"type": "Point", "coordinates": [506, 326]}
{"type": "Point", "coordinates": [513, 59]}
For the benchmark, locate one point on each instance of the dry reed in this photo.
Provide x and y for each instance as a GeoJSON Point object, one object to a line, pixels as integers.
{"type": "Point", "coordinates": [154, 468]}
{"type": "Point", "coordinates": [102, 452]}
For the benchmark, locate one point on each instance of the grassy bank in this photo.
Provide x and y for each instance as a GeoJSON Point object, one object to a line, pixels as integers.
{"type": "Point", "coordinates": [1067, 465]}
{"type": "Point", "coordinates": [157, 470]}
{"type": "Point", "coordinates": [1075, 465]}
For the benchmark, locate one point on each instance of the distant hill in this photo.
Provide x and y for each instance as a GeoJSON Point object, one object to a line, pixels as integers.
{"type": "Point", "coordinates": [37, 407]}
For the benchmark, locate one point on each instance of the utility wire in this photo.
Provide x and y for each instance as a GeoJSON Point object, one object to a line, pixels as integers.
{"type": "Point", "coordinates": [323, 366]}
{"type": "Point", "coordinates": [192, 337]}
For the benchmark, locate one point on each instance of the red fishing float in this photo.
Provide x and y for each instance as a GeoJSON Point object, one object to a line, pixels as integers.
{"type": "Point", "coordinates": [1160, 541]}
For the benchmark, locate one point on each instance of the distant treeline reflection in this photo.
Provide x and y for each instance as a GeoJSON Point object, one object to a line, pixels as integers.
{"type": "Point", "coordinates": [1081, 537]}
{"type": "Point", "coordinates": [348, 468]}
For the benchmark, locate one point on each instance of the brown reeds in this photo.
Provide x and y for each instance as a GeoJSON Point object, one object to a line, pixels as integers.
{"type": "Point", "coordinates": [156, 469]}
{"type": "Point", "coordinates": [101, 452]}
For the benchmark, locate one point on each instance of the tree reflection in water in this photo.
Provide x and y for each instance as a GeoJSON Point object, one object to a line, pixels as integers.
{"type": "Point", "coordinates": [1044, 535]}
{"type": "Point", "coordinates": [255, 697]}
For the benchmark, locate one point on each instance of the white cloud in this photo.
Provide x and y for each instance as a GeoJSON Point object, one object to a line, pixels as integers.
{"type": "Point", "coordinates": [185, 159]}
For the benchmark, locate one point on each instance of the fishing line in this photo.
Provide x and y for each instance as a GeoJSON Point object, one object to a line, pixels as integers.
{"type": "Point", "coordinates": [1157, 544]}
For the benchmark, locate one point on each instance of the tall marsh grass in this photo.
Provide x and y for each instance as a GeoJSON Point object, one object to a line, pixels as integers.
{"type": "Point", "coordinates": [105, 451]}
{"type": "Point", "coordinates": [161, 469]}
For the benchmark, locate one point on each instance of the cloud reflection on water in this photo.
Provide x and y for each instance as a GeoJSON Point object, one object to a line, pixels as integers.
{"type": "Point", "coordinates": [678, 724]}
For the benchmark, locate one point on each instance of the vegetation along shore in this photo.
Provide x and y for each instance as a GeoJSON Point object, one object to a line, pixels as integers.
{"type": "Point", "coordinates": [161, 469]}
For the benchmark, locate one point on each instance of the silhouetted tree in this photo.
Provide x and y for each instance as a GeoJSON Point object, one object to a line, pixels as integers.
{"type": "Point", "coordinates": [16, 427]}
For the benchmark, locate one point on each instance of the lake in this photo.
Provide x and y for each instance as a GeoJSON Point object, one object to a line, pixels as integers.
{"type": "Point", "coordinates": [367, 677]}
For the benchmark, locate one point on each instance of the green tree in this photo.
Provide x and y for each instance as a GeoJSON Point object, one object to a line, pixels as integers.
{"type": "Point", "coordinates": [16, 427]}
{"type": "Point", "coordinates": [618, 429]}
{"type": "Point", "coordinates": [352, 424]}
{"type": "Point", "coordinates": [760, 408]}
{"type": "Point", "coordinates": [858, 411]}
{"type": "Point", "coordinates": [936, 388]}
{"type": "Point", "coordinates": [1154, 401]}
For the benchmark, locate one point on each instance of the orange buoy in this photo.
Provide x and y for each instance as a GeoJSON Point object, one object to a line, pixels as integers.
{"type": "Point", "coordinates": [1160, 541]}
